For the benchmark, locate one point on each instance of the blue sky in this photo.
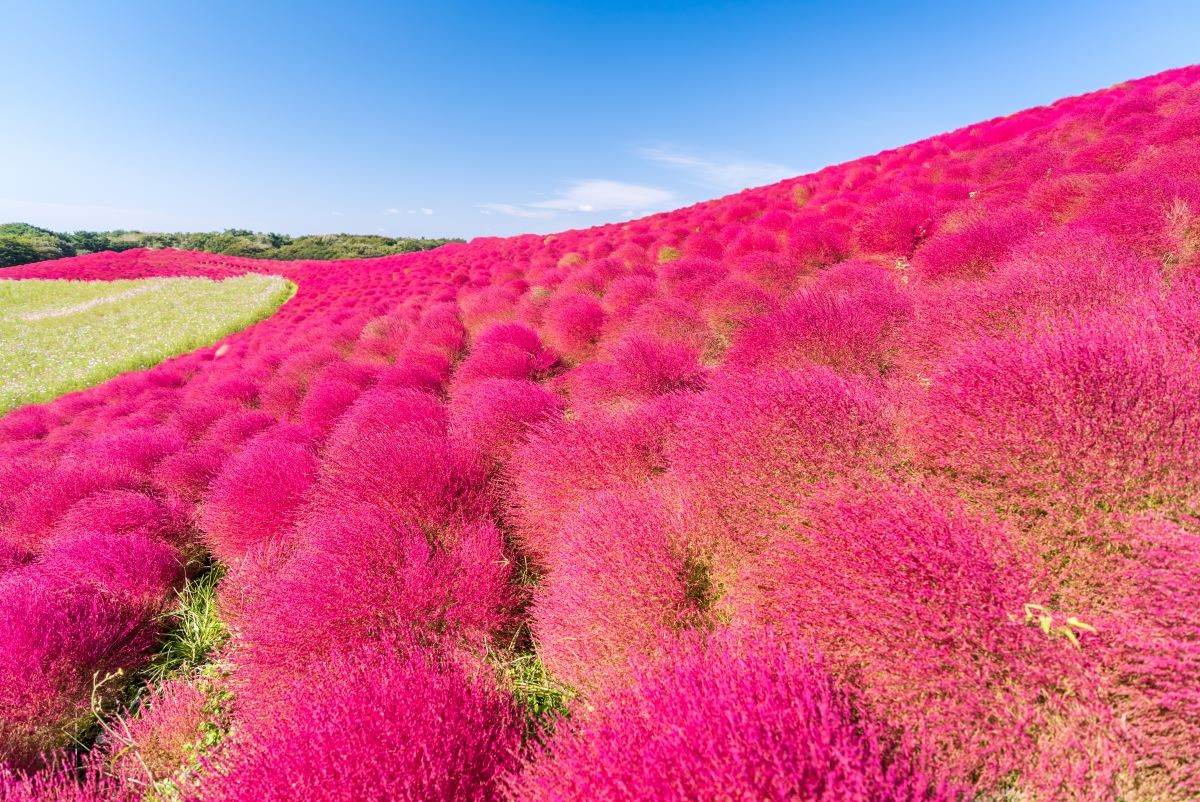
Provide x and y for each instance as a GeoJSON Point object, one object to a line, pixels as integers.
{"type": "Point", "coordinates": [457, 119]}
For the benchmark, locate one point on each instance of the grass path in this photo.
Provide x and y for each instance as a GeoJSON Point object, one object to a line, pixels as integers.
{"type": "Point", "coordinates": [59, 336]}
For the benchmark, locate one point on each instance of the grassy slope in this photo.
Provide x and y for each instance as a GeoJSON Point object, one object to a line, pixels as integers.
{"type": "Point", "coordinates": [61, 336]}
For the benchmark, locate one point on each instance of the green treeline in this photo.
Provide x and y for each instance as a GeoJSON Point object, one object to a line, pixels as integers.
{"type": "Point", "coordinates": [21, 243]}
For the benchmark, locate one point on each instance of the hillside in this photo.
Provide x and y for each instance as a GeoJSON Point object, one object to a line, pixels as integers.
{"type": "Point", "coordinates": [878, 483]}
{"type": "Point", "coordinates": [21, 243]}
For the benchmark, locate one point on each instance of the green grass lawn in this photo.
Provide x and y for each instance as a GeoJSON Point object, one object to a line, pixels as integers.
{"type": "Point", "coordinates": [58, 336]}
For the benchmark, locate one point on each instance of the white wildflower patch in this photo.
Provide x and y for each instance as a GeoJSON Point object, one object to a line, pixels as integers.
{"type": "Point", "coordinates": [58, 336]}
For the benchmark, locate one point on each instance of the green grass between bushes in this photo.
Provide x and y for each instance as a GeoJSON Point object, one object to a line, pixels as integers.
{"type": "Point", "coordinates": [189, 652]}
{"type": "Point", "coordinates": [59, 336]}
{"type": "Point", "coordinates": [195, 633]}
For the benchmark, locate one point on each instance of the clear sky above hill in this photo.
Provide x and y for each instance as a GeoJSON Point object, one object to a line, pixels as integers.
{"type": "Point", "coordinates": [456, 119]}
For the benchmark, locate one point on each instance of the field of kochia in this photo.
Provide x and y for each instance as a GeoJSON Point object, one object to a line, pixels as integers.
{"type": "Point", "coordinates": [877, 484]}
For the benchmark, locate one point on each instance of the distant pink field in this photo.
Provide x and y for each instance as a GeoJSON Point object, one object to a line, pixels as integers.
{"type": "Point", "coordinates": [881, 483]}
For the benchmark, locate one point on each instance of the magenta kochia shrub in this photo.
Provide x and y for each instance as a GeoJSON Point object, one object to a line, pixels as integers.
{"type": "Point", "coordinates": [258, 491]}
{"type": "Point", "coordinates": [363, 572]}
{"type": "Point", "coordinates": [688, 278]}
{"type": "Point", "coordinates": [783, 435]}
{"type": "Point", "coordinates": [388, 722]}
{"type": "Point", "coordinates": [185, 475]}
{"type": "Point", "coordinates": [493, 416]}
{"type": "Point", "coordinates": [626, 294]}
{"type": "Point", "coordinates": [238, 426]}
{"type": "Point", "coordinates": [38, 507]}
{"type": "Point", "coordinates": [391, 449]}
{"type": "Point", "coordinates": [505, 351]}
{"type": "Point", "coordinates": [26, 423]}
{"type": "Point", "coordinates": [125, 512]}
{"type": "Point", "coordinates": [843, 321]}
{"type": "Point", "coordinates": [673, 320]}
{"type": "Point", "coordinates": [1155, 654]}
{"type": "Point", "coordinates": [1156, 213]}
{"type": "Point", "coordinates": [164, 734]}
{"type": "Point", "coordinates": [896, 226]}
{"type": "Point", "coordinates": [566, 460]}
{"type": "Point", "coordinates": [728, 718]}
{"type": "Point", "coordinates": [813, 242]}
{"type": "Point", "coordinates": [637, 368]}
{"type": "Point", "coordinates": [1072, 271]}
{"type": "Point", "coordinates": [137, 450]}
{"type": "Point", "coordinates": [730, 304]}
{"type": "Point", "coordinates": [69, 779]}
{"type": "Point", "coordinates": [624, 576]}
{"type": "Point", "coordinates": [572, 325]}
{"type": "Point", "coordinates": [923, 609]}
{"type": "Point", "coordinates": [1096, 413]}
{"type": "Point", "coordinates": [18, 471]}
{"type": "Point", "coordinates": [975, 245]}
{"type": "Point", "coordinates": [325, 402]}
{"type": "Point", "coordinates": [57, 636]}
{"type": "Point", "coordinates": [134, 569]}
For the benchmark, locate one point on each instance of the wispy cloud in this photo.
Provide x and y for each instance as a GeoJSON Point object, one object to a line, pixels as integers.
{"type": "Point", "coordinates": [724, 174]}
{"type": "Point", "coordinates": [423, 210]}
{"type": "Point", "coordinates": [512, 210]}
{"type": "Point", "coordinates": [599, 195]}
{"type": "Point", "coordinates": [594, 195]}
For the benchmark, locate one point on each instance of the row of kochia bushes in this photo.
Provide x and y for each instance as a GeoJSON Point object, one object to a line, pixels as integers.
{"type": "Point", "coordinates": [875, 484]}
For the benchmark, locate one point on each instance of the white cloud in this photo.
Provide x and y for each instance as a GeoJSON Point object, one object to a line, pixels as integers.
{"type": "Point", "coordinates": [595, 195]}
{"type": "Point", "coordinates": [731, 175]}
{"type": "Point", "coordinates": [514, 211]}
{"type": "Point", "coordinates": [391, 211]}
{"type": "Point", "coordinates": [600, 195]}
{"type": "Point", "coordinates": [425, 210]}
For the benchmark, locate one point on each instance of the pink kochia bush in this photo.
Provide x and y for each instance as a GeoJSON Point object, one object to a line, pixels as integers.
{"type": "Point", "coordinates": [165, 733]}
{"type": "Point", "coordinates": [640, 368]}
{"type": "Point", "coordinates": [783, 435]}
{"type": "Point", "coordinates": [124, 512]}
{"type": "Point", "coordinates": [391, 450]}
{"type": "Point", "coordinates": [896, 225]}
{"type": "Point", "coordinates": [494, 416]}
{"type": "Point", "coordinates": [924, 608]}
{"type": "Point", "coordinates": [56, 637]}
{"type": "Point", "coordinates": [38, 507]}
{"type": "Point", "coordinates": [386, 723]}
{"type": "Point", "coordinates": [573, 324]}
{"type": "Point", "coordinates": [505, 351]}
{"type": "Point", "coordinates": [1073, 271]}
{"type": "Point", "coordinates": [843, 321]}
{"type": "Point", "coordinates": [1156, 654]}
{"type": "Point", "coordinates": [132, 569]}
{"type": "Point", "coordinates": [928, 419]}
{"type": "Point", "coordinates": [559, 465]}
{"type": "Point", "coordinates": [1100, 410]}
{"type": "Point", "coordinates": [750, 718]}
{"type": "Point", "coordinates": [258, 491]}
{"type": "Point", "coordinates": [68, 780]}
{"type": "Point", "coordinates": [362, 573]}
{"type": "Point", "coordinates": [624, 578]}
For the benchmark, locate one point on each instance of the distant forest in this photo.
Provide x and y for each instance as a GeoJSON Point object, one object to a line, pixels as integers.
{"type": "Point", "coordinates": [21, 243]}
